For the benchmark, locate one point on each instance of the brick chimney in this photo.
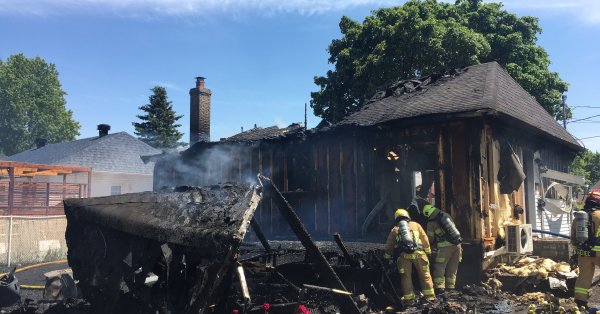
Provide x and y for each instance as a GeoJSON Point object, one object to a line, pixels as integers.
{"type": "Point", "coordinates": [199, 112]}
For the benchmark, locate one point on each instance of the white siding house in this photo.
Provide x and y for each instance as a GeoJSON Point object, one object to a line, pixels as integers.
{"type": "Point", "coordinates": [115, 159]}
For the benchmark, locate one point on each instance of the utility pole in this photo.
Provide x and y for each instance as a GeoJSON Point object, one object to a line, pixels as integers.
{"type": "Point", "coordinates": [564, 101]}
{"type": "Point", "coordinates": [305, 116]}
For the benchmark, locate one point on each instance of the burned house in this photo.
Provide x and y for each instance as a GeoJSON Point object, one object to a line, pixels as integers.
{"type": "Point", "coordinates": [472, 139]}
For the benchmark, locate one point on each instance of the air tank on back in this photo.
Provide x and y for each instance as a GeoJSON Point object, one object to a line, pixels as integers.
{"type": "Point", "coordinates": [406, 237]}
{"type": "Point", "coordinates": [581, 226]}
{"type": "Point", "coordinates": [450, 229]}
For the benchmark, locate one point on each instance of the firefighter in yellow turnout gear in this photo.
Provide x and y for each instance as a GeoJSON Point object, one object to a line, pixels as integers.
{"type": "Point", "coordinates": [410, 243]}
{"type": "Point", "coordinates": [446, 239]}
{"type": "Point", "coordinates": [585, 236]}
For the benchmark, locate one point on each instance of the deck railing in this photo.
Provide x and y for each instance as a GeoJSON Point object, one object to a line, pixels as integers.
{"type": "Point", "coordinates": [38, 198]}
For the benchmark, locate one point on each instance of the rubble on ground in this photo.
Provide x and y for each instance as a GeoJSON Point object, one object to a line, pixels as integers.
{"type": "Point", "coordinates": [182, 252]}
{"type": "Point", "coordinates": [540, 268]}
{"type": "Point", "coordinates": [528, 274]}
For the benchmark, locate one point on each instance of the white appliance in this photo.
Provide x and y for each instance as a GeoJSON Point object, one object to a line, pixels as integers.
{"type": "Point", "coordinates": [518, 239]}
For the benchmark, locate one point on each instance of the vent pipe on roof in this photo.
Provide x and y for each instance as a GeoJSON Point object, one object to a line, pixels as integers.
{"type": "Point", "coordinates": [40, 142]}
{"type": "Point", "coordinates": [103, 129]}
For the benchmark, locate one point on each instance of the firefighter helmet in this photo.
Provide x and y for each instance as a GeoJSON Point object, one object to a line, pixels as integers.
{"type": "Point", "coordinates": [401, 213]}
{"type": "Point", "coordinates": [592, 201]}
{"type": "Point", "coordinates": [428, 210]}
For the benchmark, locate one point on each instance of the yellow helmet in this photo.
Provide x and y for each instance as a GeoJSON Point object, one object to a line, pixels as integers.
{"type": "Point", "coordinates": [428, 210]}
{"type": "Point", "coordinates": [401, 213]}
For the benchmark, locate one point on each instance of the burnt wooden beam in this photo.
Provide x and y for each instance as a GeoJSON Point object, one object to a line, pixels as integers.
{"type": "Point", "coordinates": [386, 279]}
{"type": "Point", "coordinates": [441, 170]}
{"type": "Point", "coordinates": [287, 281]}
{"type": "Point", "coordinates": [322, 266]}
{"type": "Point", "coordinates": [243, 284]}
{"type": "Point", "coordinates": [340, 243]}
{"type": "Point", "coordinates": [259, 233]}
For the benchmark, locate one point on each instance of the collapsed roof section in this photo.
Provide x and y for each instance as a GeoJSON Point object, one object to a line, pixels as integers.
{"type": "Point", "coordinates": [268, 133]}
{"type": "Point", "coordinates": [209, 219]}
{"type": "Point", "coordinates": [188, 240]}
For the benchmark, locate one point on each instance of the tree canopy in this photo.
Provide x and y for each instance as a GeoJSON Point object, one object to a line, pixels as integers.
{"type": "Point", "coordinates": [587, 165]}
{"type": "Point", "coordinates": [158, 127]}
{"type": "Point", "coordinates": [32, 104]}
{"type": "Point", "coordinates": [423, 37]}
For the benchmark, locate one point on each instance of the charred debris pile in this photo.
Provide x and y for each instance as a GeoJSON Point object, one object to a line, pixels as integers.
{"type": "Point", "coordinates": [182, 252]}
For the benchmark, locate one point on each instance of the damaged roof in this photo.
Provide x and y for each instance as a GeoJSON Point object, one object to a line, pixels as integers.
{"type": "Point", "coordinates": [482, 87]}
{"type": "Point", "coordinates": [116, 152]}
{"type": "Point", "coordinates": [268, 133]}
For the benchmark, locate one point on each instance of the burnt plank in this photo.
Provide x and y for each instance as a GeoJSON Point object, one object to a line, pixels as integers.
{"type": "Point", "coordinates": [321, 264]}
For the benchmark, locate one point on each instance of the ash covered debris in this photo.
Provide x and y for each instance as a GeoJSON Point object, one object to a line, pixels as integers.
{"type": "Point", "coordinates": [182, 252]}
{"type": "Point", "coordinates": [164, 251]}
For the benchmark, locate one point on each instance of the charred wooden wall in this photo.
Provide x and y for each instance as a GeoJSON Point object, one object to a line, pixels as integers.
{"type": "Point", "coordinates": [334, 179]}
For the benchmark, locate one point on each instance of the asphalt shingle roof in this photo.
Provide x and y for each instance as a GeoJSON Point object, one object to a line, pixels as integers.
{"type": "Point", "coordinates": [116, 152]}
{"type": "Point", "coordinates": [484, 86]}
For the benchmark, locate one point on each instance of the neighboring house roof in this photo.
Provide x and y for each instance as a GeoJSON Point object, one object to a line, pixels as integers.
{"type": "Point", "coordinates": [116, 152]}
{"type": "Point", "coordinates": [596, 187]}
{"type": "Point", "coordinates": [269, 133]}
{"type": "Point", "coordinates": [479, 87]}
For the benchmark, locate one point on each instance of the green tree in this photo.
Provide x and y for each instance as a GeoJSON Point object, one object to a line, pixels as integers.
{"type": "Point", "coordinates": [32, 105]}
{"type": "Point", "coordinates": [426, 37]}
{"type": "Point", "coordinates": [588, 166]}
{"type": "Point", "coordinates": [158, 128]}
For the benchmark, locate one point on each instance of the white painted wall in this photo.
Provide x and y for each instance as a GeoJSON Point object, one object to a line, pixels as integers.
{"type": "Point", "coordinates": [129, 183]}
{"type": "Point", "coordinates": [102, 181]}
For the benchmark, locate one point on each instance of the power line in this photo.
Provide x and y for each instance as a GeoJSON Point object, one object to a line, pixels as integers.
{"type": "Point", "coordinates": [592, 107]}
{"type": "Point", "coordinates": [589, 137]}
{"type": "Point", "coordinates": [594, 121]}
{"type": "Point", "coordinates": [582, 119]}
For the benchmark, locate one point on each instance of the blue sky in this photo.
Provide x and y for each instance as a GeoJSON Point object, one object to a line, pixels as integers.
{"type": "Point", "coordinates": [259, 56]}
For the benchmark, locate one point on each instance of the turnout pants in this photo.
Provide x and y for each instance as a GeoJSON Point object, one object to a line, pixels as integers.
{"type": "Point", "coordinates": [421, 264]}
{"type": "Point", "coordinates": [445, 266]}
{"type": "Point", "coordinates": [587, 265]}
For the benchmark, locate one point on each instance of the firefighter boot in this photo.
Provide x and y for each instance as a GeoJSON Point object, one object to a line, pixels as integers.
{"type": "Point", "coordinates": [581, 304]}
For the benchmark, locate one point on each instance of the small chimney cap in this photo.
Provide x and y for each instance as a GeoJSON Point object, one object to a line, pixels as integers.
{"type": "Point", "coordinates": [103, 129]}
{"type": "Point", "coordinates": [40, 142]}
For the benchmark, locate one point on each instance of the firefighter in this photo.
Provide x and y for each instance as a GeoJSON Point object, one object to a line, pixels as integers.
{"type": "Point", "coordinates": [408, 241]}
{"type": "Point", "coordinates": [585, 236]}
{"type": "Point", "coordinates": [416, 206]}
{"type": "Point", "coordinates": [446, 240]}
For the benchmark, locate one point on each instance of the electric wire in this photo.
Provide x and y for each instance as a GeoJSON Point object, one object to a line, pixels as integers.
{"type": "Point", "coordinates": [582, 119]}
{"type": "Point", "coordinates": [589, 137]}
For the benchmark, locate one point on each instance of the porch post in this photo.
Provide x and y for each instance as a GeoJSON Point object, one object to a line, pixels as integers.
{"type": "Point", "coordinates": [11, 190]}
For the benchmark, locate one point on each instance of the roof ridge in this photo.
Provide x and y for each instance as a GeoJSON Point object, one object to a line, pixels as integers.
{"type": "Point", "coordinates": [490, 92]}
